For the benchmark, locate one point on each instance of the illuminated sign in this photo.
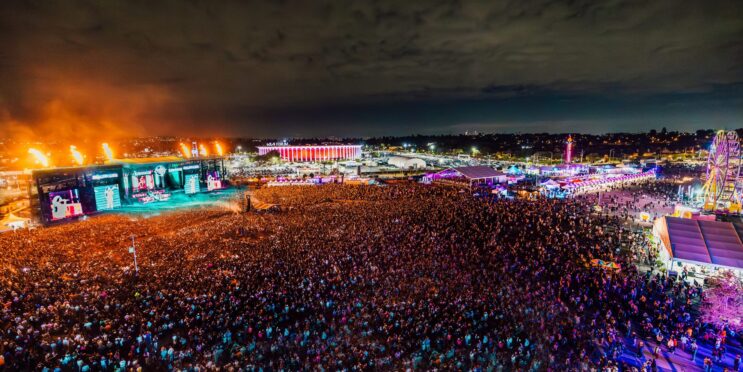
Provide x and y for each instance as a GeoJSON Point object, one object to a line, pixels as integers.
{"type": "Point", "coordinates": [65, 204]}
{"type": "Point", "coordinates": [192, 184]}
{"type": "Point", "coordinates": [105, 176]}
{"type": "Point", "coordinates": [192, 166]}
{"type": "Point", "coordinates": [142, 173]}
{"type": "Point", "coordinates": [107, 197]}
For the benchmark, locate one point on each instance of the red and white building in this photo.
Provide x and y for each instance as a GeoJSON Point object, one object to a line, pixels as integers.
{"type": "Point", "coordinates": [314, 153]}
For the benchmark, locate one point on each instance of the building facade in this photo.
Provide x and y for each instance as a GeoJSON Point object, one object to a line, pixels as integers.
{"type": "Point", "coordinates": [313, 153]}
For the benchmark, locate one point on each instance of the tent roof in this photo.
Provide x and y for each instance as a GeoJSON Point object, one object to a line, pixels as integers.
{"type": "Point", "coordinates": [710, 242]}
{"type": "Point", "coordinates": [164, 159]}
{"type": "Point", "coordinates": [550, 182]}
{"type": "Point", "coordinates": [478, 171]}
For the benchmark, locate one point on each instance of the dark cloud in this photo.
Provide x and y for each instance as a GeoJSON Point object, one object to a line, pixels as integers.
{"type": "Point", "coordinates": [229, 66]}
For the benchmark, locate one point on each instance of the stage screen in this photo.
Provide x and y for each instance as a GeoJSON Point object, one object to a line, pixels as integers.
{"type": "Point", "coordinates": [192, 184]}
{"type": "Point", "coordinates": [212, 181]}
{"type": "Point", "coordinates": [143, 182]}
{"type": "Point", "coordinates": [65, 204]}
{"type": "Point", "coordinates": [107, 197]}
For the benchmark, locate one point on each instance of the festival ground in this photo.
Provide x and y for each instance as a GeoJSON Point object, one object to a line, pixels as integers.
{"type": "Point", "coordinates": [404, 276]}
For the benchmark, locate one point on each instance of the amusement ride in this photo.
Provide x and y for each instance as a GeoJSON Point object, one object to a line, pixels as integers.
{"type": "Point", "coordinates": [721, 190]}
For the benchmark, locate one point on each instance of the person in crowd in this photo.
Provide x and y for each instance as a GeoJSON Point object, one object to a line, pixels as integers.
{"type": "Point", "coordinates": [346, 277]}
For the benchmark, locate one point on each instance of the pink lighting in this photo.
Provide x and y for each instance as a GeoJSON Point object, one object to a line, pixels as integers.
{"type": "Point", "coordinates": [313, 153]}
{"type": "Point", "coordinates": [569, 151]}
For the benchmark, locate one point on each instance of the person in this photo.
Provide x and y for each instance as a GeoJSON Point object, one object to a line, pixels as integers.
{"type": "Point", "coordinates": [736, 363]}
{"type": "Point", "coordinates": [343, 278]}
{"type": "Point", "coordinates": [694, 349]}
{"type": "Point", "coordinates": [707, 364]}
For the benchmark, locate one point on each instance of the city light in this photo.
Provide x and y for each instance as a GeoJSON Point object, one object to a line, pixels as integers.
{"type": "Point", "coordinates": [39, 156]}
{"type": "Point", "coordinates": [202, 150]}
{"type": "Point", "coordinates": [76, 155]}
{"type": "Point", "coordinates": [107, 151]}
{"type": "Point", "coordinates": [220, 152]}
{"type": "Point", "coordinates": [184, 150]}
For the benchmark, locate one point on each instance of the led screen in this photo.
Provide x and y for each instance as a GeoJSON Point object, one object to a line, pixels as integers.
{"type": "Point", "coordinates": [143, 182]}
{"type": "Point", "coordinates": [65, 204]}
{"type": "Point", "coordinates": [212, 181]}
{"type": "Point", "coordinates": [192, 184]}
{"type": "Point", "coordinates": [107, 197]}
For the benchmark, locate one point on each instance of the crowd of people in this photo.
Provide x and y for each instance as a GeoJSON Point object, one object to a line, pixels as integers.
{"type": "Point", "coordinates": [345, 277]}
{"type": "Point", "coordinates": [657, 198]}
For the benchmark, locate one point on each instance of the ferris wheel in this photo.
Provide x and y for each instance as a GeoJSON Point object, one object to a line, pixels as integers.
{"type": "Point", "coordinates": [721, 189]}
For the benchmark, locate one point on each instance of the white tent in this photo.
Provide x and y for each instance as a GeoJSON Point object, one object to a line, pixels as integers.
{"type": "Point", "coordinates": [550, 183]}
{"type": "Point", "coordinates": [407, 163]}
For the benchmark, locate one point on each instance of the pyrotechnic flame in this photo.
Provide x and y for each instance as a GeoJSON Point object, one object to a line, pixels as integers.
{"type": "Point", "coordinates": [184, 149]}
{"type": "Point", "coordinates": [107, 151]}
{"type": "Point", "coordinates": [40, 157]}
{"type": "Point", "coordinates": [220, 152]}
{"type": "Point", "coordinates": [76, 155]}
{"type": "Point", "coordinates": [202, 150]}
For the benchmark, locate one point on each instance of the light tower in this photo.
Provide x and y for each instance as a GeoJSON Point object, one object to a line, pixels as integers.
{"type": "Point", "coordinates": [569, 150]}
{"type": "Point", "coordinates": [194, 150]}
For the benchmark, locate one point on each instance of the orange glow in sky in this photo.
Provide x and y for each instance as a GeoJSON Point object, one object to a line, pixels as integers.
{"type": "Point", "coordinates": [184, 149]}
{"type": "Point", "coordinates": [76, 155]}
{"type": "Point", "coordinates": [40, 157]}
{"type": "Point", "coordinates": [107, 151]}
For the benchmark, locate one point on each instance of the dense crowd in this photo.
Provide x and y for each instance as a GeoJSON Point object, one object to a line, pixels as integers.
{"type": "Point", "coordinates": [627, 201]}
{"type": "Point", "coordinates": [361, 277]}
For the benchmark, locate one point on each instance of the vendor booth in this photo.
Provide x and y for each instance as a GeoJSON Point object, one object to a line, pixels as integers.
{"type": "Point", "coordinates": [699, 246]}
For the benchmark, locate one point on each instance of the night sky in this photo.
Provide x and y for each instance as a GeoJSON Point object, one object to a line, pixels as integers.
{"type": "Point", "coordinates": [365, 68]}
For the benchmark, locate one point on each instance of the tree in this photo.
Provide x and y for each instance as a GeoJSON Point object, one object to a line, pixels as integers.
{"type": "Point", "coordinates": [723, 301]}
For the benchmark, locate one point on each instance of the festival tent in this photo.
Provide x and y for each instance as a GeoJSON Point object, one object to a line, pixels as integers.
{"type": "Point", "coordinates": [407, 163]}
{"type": "Point", "coordinates": [473, 175]}
{"type": "Point", "coordinates": [700, 242]}
{"type": "Point", "coordinates": [550, 183]}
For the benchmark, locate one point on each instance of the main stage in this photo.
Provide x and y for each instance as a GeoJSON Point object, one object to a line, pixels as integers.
{"type": "Point", "coordinates": [59, 194]}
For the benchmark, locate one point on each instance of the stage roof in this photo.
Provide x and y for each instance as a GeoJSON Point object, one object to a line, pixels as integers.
{"type": "Point", "coordinates": [706, 242]}
{"type": "Point", "coordinates": [478, 172]}
{"type": "Point", "coordinates": [163, 159]}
